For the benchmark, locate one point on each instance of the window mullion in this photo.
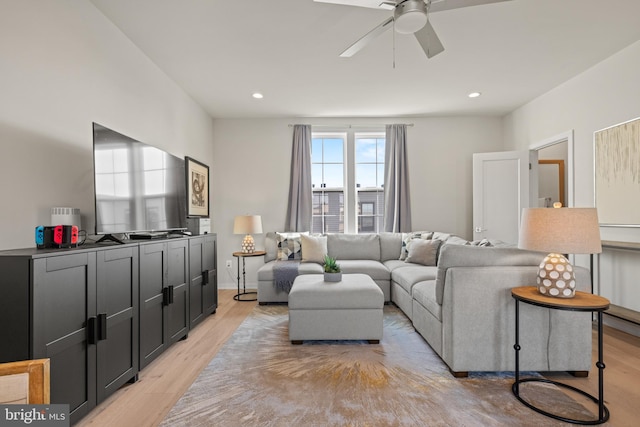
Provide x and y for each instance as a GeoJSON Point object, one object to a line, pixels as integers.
{"type": "Point", "coordinates": [350, 196]}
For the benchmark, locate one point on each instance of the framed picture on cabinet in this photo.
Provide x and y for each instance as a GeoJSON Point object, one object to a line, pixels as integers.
{"type": "Point", "coordinates": [197, 188]}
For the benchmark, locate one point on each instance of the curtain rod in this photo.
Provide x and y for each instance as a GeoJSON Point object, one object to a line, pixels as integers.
{"type": "Point", "coordinates": [351, 126]}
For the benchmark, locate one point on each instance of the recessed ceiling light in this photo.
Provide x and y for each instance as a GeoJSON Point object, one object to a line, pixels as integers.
{"type": "Point", "coordinates": [257, 95]}
{"type": "Point", "coordinates": [474, 94]}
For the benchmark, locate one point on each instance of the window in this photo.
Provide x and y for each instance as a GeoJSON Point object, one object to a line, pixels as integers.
{"type": "Point", "coordinates": [327, 178]}
{"type": "Point", "coordinates": [356, 159]}
{"type": "Point", "coordinates": [370, 182]}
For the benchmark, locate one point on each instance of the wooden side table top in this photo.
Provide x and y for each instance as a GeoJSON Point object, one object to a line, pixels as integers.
{"type": "Point", "coordinates": [243, 254]}
{"type": "Point", "coordinates": [582, 301]}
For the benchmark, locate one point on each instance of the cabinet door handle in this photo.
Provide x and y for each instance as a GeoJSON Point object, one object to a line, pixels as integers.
{"type": "Point", "coordinates": [205, 277]}
{"type": "Point", "coordinates": [92, 330]}
{"type": "Point", "coordinates": [166, 297]}
{"type": "Point", "coordinates": [102, 326]}
{"type": "Point", "coordinates": [171, 294]}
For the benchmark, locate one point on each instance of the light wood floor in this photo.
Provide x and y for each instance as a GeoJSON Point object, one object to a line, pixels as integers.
{"type": "Point", "coordinates": [161, 384]}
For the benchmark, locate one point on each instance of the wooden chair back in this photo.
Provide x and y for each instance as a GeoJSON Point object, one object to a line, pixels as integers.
{"type": "Point", "coordinates": [25, 382]}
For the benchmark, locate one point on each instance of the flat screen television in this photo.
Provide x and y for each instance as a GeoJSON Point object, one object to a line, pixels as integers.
{"type": "Point", "coordinates": [138, 188]}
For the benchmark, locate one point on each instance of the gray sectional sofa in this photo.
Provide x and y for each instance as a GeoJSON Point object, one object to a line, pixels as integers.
{"type": "Point", "coordinates": [457, 295]}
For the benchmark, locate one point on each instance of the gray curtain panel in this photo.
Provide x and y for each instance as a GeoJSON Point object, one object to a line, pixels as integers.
{"type": "Point", "coordinates": [300, 197]}
{"type": "Point", "coordinates": [397, 203]}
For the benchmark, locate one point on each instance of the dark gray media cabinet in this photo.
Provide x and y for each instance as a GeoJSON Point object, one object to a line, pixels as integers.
{"type": "Point", "coordinates": [101, 313]}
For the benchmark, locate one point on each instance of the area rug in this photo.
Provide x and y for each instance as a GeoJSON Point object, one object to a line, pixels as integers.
{"type": "Point", "coordinates": [259, 379]}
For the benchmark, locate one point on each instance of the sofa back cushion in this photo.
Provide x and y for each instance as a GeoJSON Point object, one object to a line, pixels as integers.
{"type": "Point", "coordinates": [354, 246]}
{"type": "Point", "coordinates": [452, 255]}
{"type": "Point", "coordinates": [390, 245]}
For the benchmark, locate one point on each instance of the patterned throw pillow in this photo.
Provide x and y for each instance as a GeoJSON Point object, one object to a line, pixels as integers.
{"type": "Point", "coordinates": [407, 237]}
{"type": "Point", "coordinates": [289, 246]}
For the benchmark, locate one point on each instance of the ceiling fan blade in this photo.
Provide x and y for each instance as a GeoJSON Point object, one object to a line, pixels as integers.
{"type": "Point", "coordinates": [429, 40]}
{"type": "Point", "coordinates": [362, 42]}
{"type": "Point", "coordinates": [373, 4]}
{"type": "Point", "coordinates": [440, 5]}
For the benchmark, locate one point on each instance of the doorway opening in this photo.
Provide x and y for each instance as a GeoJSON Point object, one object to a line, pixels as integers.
{"type": "Point", "coordinates": [554, 174]}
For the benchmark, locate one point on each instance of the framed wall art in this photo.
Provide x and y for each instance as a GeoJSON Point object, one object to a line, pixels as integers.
{"type": "Point", "coordinates": [197, 188]}
{"type": "Point", "coordinates": [617, 174]}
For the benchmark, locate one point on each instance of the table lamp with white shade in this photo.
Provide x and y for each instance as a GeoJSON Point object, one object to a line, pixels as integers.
{"type": "Point", "coordinates": [559, 231]}
{"type": "Point", "coordinates": [247, 225]}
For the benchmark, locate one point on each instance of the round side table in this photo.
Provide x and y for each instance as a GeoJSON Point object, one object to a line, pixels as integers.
{"type": "Point", "coordinates": [243, 255]}
{"type": "Point", "coordinates": [582, 301]}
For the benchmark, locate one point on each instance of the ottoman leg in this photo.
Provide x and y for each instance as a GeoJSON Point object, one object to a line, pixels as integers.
{"type": "Point", "coordinates": [374, 341]}
{"type": "Point", "coordinates": [296, 342]}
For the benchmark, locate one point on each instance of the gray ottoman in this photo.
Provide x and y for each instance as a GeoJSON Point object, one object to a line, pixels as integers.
{"type": "Point", "coordinates": [346, 310]}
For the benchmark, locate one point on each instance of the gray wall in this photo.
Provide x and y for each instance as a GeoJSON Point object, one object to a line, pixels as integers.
{"type": "Point", "coordinates": [602, 96]}
{"type": "Point", "coordinates": [63, 65]}
{"type": "Point", "coordinates": [252, 166]}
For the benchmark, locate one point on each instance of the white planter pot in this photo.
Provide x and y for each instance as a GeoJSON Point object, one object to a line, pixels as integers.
{"type": "Point", "coordinates": [332, 277]}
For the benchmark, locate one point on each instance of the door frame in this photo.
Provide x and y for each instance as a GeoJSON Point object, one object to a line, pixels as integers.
{"type": "Point", "coordinates": [557, 139]}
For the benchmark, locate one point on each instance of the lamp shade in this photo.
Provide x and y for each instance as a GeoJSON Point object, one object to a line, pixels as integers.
{"type": "Point", "coordinates": [247, 224]}
{"type": "Point", "coordinates": [560, 230]}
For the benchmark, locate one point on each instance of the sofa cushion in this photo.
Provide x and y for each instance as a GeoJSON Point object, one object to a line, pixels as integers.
{"type": "Point", "coordinates": [392, 264]}
{"type": "Point", "coordinates": [475, 256]}
{"type": "Point", "coordinates": [408, 276]}
{"type": "Point", "coordinates": [390, 244]}
{"type": "Point", "coordinates": [289, 246]}
{"type": "Point", "coordinates": [265, 273]}
{"type": "Point", "coordinates": [407, 237]}
{"type": "Point", "coordinates": [354, 246]}
{"type": "Point", "coordinates": [314, 248]}
{"type": "Point", "coordinates": [374, 269]}
{"type": "Point", "coordinates": [425, 294]}
{"type": "Point", "coordinates": [423, 252]}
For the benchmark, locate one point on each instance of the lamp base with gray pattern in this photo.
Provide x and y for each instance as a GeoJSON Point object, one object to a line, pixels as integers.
{"type": "Point", "coordinates": [556, 277]}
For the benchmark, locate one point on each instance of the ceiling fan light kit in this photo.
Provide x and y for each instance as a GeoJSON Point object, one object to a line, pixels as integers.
{"type": "Point", "coordinates": [410, 16]}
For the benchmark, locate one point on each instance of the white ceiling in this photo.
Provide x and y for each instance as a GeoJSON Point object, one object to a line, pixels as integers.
{"type": "Point", "coordinates": [221, 51]}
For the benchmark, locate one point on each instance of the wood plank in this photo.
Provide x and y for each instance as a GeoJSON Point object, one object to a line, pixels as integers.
{"type": "Point", "coordinates": [621, 376]}
{"type": "Point", "coordinates": [581, 301]}
{"type": "Point", "coordinates": [167, 378]}
{"type": "Point", "coordinates": [164, 381]}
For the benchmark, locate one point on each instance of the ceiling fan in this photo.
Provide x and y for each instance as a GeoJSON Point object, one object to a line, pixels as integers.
{"type": "Point", "coordinates": [409, 17]}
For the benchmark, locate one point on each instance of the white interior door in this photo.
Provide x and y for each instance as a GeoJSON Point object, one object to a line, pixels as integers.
{"type": "Point", "coordinates": [501, 189]}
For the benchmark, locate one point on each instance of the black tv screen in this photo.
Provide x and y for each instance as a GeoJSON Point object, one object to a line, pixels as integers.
{"type": "Point", "coordinates": [138, 187]}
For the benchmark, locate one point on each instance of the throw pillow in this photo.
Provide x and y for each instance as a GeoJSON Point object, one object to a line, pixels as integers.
{"type": "Point", "coordinates": [423, 252]}
{"type": "Point", "coordinates": [314, 248]}
{"type": "Point", "coordinates": [270, 246]}
{"type": "Point", "coordinates": [481, 243]}
{"type": "Point", "coordinates": [455, 240]}
{"type": "Point", "coordinates": [407, 237]}
{"type": "Point", "coordinates": [289, 246]}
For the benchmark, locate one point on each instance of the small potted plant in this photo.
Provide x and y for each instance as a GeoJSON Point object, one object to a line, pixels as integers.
{"type": "Point", "coordinates": [332, 271]}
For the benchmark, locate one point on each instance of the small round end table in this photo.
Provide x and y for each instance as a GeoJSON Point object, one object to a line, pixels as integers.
{"type": "Point", "coordinates": [243, 255]}
{"type": "Point", "coordinates": [582, 301]}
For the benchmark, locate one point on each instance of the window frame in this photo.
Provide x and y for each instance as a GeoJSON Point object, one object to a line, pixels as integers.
{"type": "Point", "coordinates": [349, 190]}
